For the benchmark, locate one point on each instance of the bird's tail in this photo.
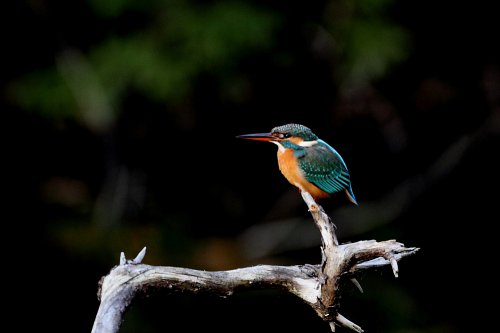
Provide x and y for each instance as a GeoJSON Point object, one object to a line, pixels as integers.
{"type": "Point", "coordinates": [350, 195]}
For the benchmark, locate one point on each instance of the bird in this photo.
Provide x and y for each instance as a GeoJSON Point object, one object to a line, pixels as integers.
{"type": "Point", "coordinates": [308, 162]}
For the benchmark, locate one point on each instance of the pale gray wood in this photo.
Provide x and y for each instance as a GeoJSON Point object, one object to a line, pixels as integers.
{"type": "Point", "coordinates": [317, 285]}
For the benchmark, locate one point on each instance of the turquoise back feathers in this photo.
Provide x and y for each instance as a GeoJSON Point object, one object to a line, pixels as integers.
{"type": "Point", "coordinates": [324, 167]}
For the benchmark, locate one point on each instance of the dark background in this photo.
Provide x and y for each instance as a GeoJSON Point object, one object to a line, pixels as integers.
{"type": "Point", "coordinates": [120, 120]}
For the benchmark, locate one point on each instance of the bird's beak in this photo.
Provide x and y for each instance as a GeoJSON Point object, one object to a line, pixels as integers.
{"type": "Point", "coordinates": [258, 137]}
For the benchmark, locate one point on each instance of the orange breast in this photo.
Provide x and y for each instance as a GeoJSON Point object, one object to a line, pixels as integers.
{"type": "Point", "coordinates": [290, 169]}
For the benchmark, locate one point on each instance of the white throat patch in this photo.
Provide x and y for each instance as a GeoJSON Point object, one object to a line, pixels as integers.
{"type": "Point", "coordinates": [308, 143]}
{"type": "Point", "coordinates": [280, 146]}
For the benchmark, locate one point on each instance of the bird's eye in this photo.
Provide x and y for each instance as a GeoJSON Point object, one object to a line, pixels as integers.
{"type": "Point", "coordinates": [282, 135]}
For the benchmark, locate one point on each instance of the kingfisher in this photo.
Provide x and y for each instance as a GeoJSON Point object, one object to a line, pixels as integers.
{"type": "Point", "coordinates": [308, 162]}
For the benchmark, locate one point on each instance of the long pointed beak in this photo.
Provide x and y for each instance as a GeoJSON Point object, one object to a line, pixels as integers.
{"type": "Point", "coordinates": [257, 137]}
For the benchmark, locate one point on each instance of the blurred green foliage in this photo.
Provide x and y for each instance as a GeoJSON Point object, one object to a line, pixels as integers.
{"type": "Point", "coordinates": [115, 8]}
{"type": "Point", "coordinates": [368, 41]}
{"type": "Point", "coordinates": [160, 60]}
{"type": "Point", "coordinates": [175, 42]}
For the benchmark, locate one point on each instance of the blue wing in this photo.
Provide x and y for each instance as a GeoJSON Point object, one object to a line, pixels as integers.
{"type": "Point", "coordinates": [324, 167]}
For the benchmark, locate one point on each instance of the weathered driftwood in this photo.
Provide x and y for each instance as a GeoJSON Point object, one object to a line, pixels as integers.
{"type": "Point", "coordinates": [316, 285]}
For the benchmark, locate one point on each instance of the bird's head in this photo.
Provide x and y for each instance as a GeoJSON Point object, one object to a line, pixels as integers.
{"type": "Point", "coordinates": [286, 136]}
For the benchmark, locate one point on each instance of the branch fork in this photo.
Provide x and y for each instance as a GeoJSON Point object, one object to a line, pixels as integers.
{"type": "Point", "coordinates": [317, 285]}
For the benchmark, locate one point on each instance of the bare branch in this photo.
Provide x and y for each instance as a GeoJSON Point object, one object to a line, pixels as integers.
{"type": "Point", "coordinates": [357, 284]}
{"type": "Point", "coordinates": [123, 260]}
{"type": "Point", "coordinates": [349, 324]}
{"type": "Point", "coordinates": [394, 265]}
{"type": "Point", "coordinates": [140, 256]}
{"type": "Point", "coordinates": [124, 281]}
{"type": "Point", "coordinates": [317, 285]}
